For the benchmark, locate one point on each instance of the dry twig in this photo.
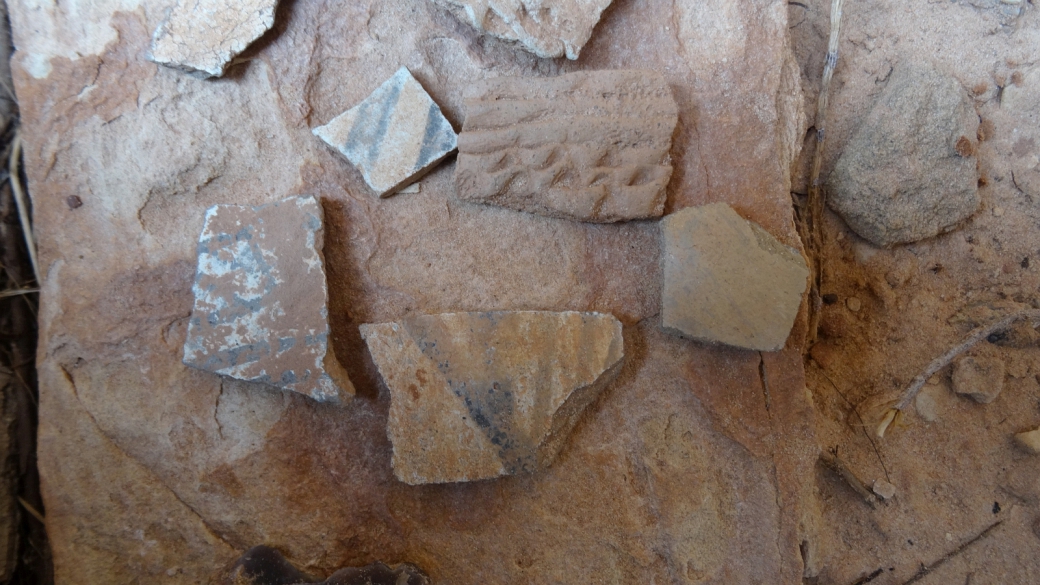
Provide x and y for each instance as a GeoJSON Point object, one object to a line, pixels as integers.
{"type": "Point", "coordinates": [831, 459]}
{"type": "Point", "coordinates": [977, 335]}
{"type": "Point", "coordinates": [816, 202]}
{"type": "Point", "coordinates": [23, 207]}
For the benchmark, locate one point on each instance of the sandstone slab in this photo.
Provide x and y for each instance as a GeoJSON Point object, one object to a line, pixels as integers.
{"type": "Point", "coordinates": [981, 378]}
{"type": "Point", "coordinates": [592, 146]}
{"type": "Point", "coordinates": [208, 467]}
{"type": "Point", "coordinates": [261, 303]}
{"type": "Point", "coordinates": [203, 37]}
{"type": "Point", "coordinates": [727, 280]}
{"type": "Point", "coordinates": [394, 136]}
{"type": "Point", "coordinates": [547, 28]}
{"type": "Point", "coordinates": [909, 171]}
{"type": "Point", "coordinates": [481, 395]}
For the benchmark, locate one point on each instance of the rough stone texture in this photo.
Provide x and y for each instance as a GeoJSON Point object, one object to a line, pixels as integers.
{"type": "Point", "coordinates": [727, 280]}
{"type": "Point", "coordinates": [1029, 440]}
{"type": "Point", "coordinates": [261, 303]}
{"type": "Point", "coordinates": [547, 28]}
{"type": "Point", "coordinates": [154, 471]}
{"type": "Point", "coordinates": [981, 378]}
{"type": "Point", "coordinates": [482, 395]}
{"type": "Point", "coordinates": [202, 37]}
{"type": "Point", "coordinates": [909, 172]}
{"type": "Point", "coordinates": [394, 136]}
{"type": "Point", "coordinates": [591, 146]}
{"type": "Point", "coordinates": [1021, 99]}
{"type": "Point", "coordinates": [263, 565]}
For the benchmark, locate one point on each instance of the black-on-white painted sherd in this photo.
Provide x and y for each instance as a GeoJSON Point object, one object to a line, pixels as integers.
{"type": "Point", "coordinates": [394, 136]}
{"type": "Point", "coordinates": [261, 301]}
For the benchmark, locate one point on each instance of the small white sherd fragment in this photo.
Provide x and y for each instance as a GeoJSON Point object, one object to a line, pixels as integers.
{"type": "Point", "coordinates": [202, 37]}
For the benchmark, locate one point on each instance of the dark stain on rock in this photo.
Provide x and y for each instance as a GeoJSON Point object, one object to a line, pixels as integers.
{"type": "Point", "coordinates": [965, 147]}
{"type": "Point", "coordinates": [263, 565]}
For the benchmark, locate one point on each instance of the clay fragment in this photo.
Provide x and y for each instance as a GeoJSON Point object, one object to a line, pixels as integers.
{"type": "Point", "coordinates": [727, 280]}
{"type": "Point", "coordinates": [263, 565]}
{"type": "Point", "coordinates": [202, 37]}
{"type": "Point", "coordinates": [260, 311]}
{"type": "Point", "coordinates": [481, 395]}
{"type": "Point", "coordinates": [591, 146]}
{"type": "Point", "coordinates": [396, 135]}
{"type": "Point", "coordinates": [547, 28]}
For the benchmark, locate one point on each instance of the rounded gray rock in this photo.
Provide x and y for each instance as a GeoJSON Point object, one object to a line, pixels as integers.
{"type": "Point", "coordinates": [909, 171]}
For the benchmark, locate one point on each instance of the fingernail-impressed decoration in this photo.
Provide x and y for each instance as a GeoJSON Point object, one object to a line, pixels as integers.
{"type": "Point", "coordinates": [202, 37]}
{"type": "Point", "coordinates": [547, 28]}
{"type": "Point", "coordinates": [591, 146]}
{"type": "Point", "coordinates": [481, 395]}
{"type": "Point", "coordinates": [394, 136]}
{"type": "Point", "coordinates": [727, 280]}
{"type": "Point", "coordinates": [261, 300]}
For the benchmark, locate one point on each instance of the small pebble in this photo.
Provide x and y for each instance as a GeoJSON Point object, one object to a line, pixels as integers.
{"type": "Point", "coordinates": [981, 378]}
{"type": "Point", "coordinates": [998, 211]}
{"type": "Point", "coordinates": [883, 489]}
{"type": "Point", "coordinates": [74, 202]}
{"type": "Point", "coordinates": [1030, 441]}
{"type": "Point", "coordinates": [853, 304]}
{"type": "Point", "coordinates": [926, 406]}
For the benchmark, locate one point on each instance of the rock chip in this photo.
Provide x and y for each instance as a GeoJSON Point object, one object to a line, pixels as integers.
{"type": "Point", "coordinates": [591, 146]}
{"type": "Point", "coordinates": [202, 37]}
{"type": "Point", "coordinates": [263, 565]}
{"type": "Point", "coordinates": [981, 378]}
{"type": "Point", "coordinates": [884, 489]}
{"type": "Point", "coordinates": [1029, 440]}
{"type": "Point", "coordinates": [481, 395]}
{"type": "Point", "coordinates": [547, 28]}
{"type": "Point", "coordinates": [727, 280]}
{"type": "Point", "coordinates": [394, 136]}
{"type": "Point", "coordinates": [260, 309]}
{"type": "Point", "coordinates": [909, 171]}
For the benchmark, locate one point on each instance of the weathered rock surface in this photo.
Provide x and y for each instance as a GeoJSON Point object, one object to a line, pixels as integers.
{"type": "Point", "coordinates": [591, 146]}
{"type": "Point", "coordinates": [909, 171]}
{"type": "Point", "coordinates": [394, 136]}
{"type": "Point", "coordinates": [186, 470]}
{"type": "Point", "coordinates": [482, 395]}
{"type": "Point", "coordinates": [202, 37]}
{"type": "Point", "coordinates": [1029, 440]}
{"type": "Point", "coordinates": [261, 310]}
{"type": "Point", "coordinates": [981, 378]}
{"type": "Point", "coordinates": [547, 28]}
{"type": "Point", "coordinates": [263, 565]}
{"type": "Point", "coordinates": [727, 280]}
